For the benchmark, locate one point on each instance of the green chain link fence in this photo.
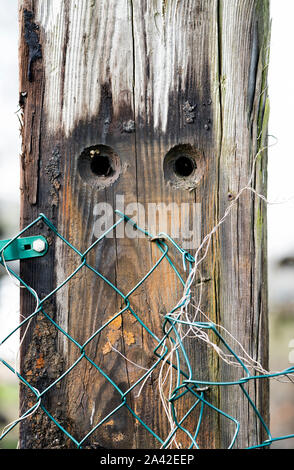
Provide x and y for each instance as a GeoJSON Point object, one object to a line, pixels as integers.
{"type": "Point", "coordinates": [186, 382]}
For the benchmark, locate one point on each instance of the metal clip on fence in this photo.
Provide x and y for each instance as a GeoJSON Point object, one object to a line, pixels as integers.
{"type": "Point", "coordinates": [23, 248]}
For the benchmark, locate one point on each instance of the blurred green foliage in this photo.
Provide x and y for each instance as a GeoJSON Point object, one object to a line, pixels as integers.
{"type": "Point", "coordinates": [8, 412]}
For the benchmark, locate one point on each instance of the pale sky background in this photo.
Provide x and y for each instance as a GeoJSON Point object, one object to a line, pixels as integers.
{"type": "Point", "coordinates": [9, 127]}
{"type": "Point", "coordinates": [281, 156]}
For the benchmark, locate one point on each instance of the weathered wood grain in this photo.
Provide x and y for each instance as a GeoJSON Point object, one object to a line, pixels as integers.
{"type": "Point", "coordinates": [142, 78]}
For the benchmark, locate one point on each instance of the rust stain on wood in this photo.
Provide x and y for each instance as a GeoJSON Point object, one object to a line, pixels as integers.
{"type": "Point", "coordinates": [40, 362]}
{"type": "Point", "coordinates": [113, 334]}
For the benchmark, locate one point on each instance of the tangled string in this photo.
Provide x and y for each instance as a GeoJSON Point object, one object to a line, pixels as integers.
{"type": "Point", "coordinates": [170, 352]}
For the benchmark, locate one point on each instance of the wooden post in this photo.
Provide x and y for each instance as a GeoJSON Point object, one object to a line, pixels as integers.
{"type": "Point", "coordinates": [140, 84]}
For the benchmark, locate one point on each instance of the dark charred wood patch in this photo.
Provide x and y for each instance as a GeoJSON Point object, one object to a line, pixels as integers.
{"type": "Point", "coordinates": [32, 40]}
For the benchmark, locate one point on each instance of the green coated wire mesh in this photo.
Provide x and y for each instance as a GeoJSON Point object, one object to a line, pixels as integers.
{"type": "Point", "coordinates": [185, 383]}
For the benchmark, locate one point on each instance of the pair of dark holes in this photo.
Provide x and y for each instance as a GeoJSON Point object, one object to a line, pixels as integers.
{"type": "Point", "coordinates": [100, 165]}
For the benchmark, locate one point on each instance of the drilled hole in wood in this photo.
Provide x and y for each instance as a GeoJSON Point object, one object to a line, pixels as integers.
{"type": "Point", "coordinates": [183, 167]}
{"type": "Point", "coordinates": [99, 166]}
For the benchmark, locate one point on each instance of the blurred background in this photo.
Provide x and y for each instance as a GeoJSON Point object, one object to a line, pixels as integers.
{"type": "Point", "coordinates": [280, 216]}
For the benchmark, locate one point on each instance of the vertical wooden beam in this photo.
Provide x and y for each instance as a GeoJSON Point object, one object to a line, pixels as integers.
{"type": "Point", "coordinates": [152, 80]}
